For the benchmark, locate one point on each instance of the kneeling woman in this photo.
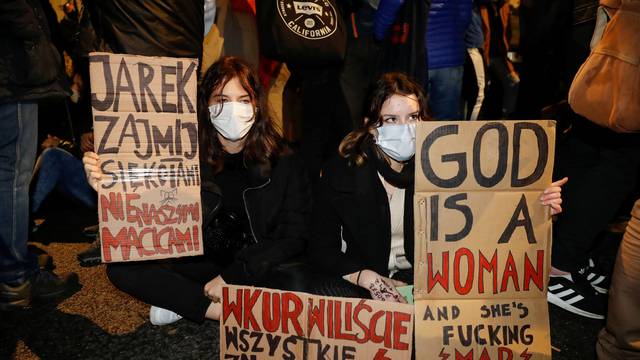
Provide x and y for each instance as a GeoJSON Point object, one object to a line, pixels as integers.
{"type": "Point", "coordinates": [362, 232]}
{"type": "Point", "coordinates": [255, 206]}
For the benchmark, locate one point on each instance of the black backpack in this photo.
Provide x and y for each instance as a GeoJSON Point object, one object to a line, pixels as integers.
{"type": "Point", "coordinates": [308, 32]}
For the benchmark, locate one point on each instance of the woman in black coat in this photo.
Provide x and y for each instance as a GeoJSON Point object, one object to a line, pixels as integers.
{"type": "Point", "coordinates": [362, 229]}
{"type": "Point", "coordinates": [255, 206]}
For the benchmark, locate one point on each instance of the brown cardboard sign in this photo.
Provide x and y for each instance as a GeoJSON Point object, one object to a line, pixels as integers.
{"type": "Point", "coordinates": [482, 239]}
{"type": "Point", "coordinates": [259, 323]}
{"type": "Point", "coordinates": [146, 134]}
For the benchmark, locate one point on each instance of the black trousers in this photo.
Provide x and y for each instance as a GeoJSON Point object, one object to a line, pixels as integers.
{"type": "Point", "coordinates": [178, 285]}
{"type": "Point", "coordinates": [603, 169]}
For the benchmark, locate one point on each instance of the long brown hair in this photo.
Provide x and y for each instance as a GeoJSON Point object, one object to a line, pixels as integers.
{"type": "Point", "coordinates": [263, 142]}
{"type": "Point", "coordinates": [389, 84]}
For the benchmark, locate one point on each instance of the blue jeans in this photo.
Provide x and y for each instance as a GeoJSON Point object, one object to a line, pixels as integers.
{"type": "Point", "coordinates": [57, 169]}
{"type": "Point", "coordinates": [19, 127]}
{"type": "Point", "coordinates": [445, 93]}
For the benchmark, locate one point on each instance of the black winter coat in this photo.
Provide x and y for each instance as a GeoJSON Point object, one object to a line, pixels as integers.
{"type": "Point", "coordinates": [31, 67]}
{"type": "Point", "coordinates": [278, 205]}
{"type": "Point", "coordinates": [352, 204]}
{"type": "Point", "coordinates": [150, 27]}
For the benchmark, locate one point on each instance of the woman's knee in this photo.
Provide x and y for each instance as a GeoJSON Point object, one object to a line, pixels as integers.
{"type": "Point", "coordinates": [120, 276]}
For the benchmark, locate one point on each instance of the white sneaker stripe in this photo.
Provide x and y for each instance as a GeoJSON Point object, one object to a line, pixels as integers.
{"type": "Point", "coordinates": [598, 280]}
{"type": "Point", "coordinates": [565, 293]}
{"type": "Point", "coordinates": [591, 276]}
{"type": "Point", "coordinates": [574, 299]}
{"type": "Point", "coordinates": [555, 287]}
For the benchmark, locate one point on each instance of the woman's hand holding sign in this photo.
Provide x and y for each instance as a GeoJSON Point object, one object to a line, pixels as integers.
{"type": "Point", "coordinates": [552, 196]}
{"type": "Point", "coordinates": [380, 287]}
{"type": "Point", "coordinates": [213, 291]}
{"type": "Point", "coordinates": [91, 163]}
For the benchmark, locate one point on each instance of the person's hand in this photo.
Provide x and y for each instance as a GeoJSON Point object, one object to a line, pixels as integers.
{"type": "Point", "coordinates": [91, 163]}
{"type": "Point", "coordinates": [514, 78]}
{"type": "Point", "coordinates": [86, 142]}
{"type": "Point", "coordinates": [552, 196]}
{"type": "Point", "coordinates": [213, 289]}
{"type": "Point", "coordinates": [380, 287]}
{"type": "Point", "coordinates": [50, 142]}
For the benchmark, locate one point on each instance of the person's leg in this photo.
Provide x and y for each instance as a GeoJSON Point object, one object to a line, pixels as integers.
{"type": "Point", "coordinates": [445, 91]}
{"type": "Point", "coordinates": [177, 286]}
{"type": "Point", "coordinates": [18, 126]}
{"type": "Point", "coordinates": [357, 75]}
{"type": "Point", "coordinates": [593, 198]}
{"type": "Point", "coordinates": [74, 182]}
{"type": "Point", "coordinates": [509, 86]}
{"type": "Point", "coordinates": [46, 175]}
{"type": "Point", "coordinates": [620, 339]}
{"type": "Point", "coordinates": [478, 67]}
{"type": "Point", "coordinates": [320, 93]}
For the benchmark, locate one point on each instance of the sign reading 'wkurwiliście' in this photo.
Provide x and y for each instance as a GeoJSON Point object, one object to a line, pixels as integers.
{"type": "Point", "coordinates": [262, 324]}
{"type": "Point", "coordinates": [482, 240]}
{"type": "Point", "coordinates": [146, 134]}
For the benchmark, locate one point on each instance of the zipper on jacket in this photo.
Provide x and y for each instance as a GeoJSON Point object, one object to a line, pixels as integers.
{"type": "Point", "coordinates": [246, 208]}
{"type": "Point", "coordinates": [213, 210]}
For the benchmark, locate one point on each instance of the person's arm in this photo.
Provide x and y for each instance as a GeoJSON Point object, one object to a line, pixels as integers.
{"type": "Point", "coordinates": [289, 236]}
{"type": "Point", "coordinates": [385, 17]}
{"type": "Point", "coordinates": [325, 242]}
{"type": "Point", "coordinates": [18, 19]}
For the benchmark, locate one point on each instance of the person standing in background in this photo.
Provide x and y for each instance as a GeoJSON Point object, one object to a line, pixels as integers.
{"type": "Point", "coordinates": [495, 21]}
{"type": "Point", "coordinates": [445, 42]}
{"type": "Point", "coordinates": [30, 70]}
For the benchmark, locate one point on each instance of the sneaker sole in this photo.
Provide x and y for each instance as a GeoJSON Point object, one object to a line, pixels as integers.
{"type": "Point", "coordinates": [16, 305]}
{"type": "Point", "coordinates": [562, 304]}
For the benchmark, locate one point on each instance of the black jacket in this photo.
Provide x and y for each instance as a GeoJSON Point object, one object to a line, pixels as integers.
{"type": "Point", "coordinates": [278, 205]}
{"type": "Point", "coordinates": [150, 27]}
{"type": "Point", "coordinates": [30, 65]}
{"type": "Point", "coordinates": [352, 204]}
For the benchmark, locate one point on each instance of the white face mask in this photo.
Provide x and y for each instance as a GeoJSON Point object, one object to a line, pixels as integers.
{"type": "Point", "coordinates": [397, 141]}
{"type": "Point", "coordinates": [234, 120]}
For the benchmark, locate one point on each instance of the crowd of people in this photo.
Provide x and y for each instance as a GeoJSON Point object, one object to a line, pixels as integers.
{"type": "Point", "coordinates": [308, 167]}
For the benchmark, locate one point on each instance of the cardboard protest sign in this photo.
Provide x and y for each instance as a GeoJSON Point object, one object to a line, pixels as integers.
{"type": "Point", "coordinates": [482, 239]}
{"type": "Point", "coordinates": [259, 323]}
{"type": "Point", "coordinates": [146, 134]}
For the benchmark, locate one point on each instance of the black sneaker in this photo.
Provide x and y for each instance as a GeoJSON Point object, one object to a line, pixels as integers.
{"type": "Point", "coordinates": [47, 285]}
{"type": "Point", "coordinates": [91, 231]}
{"type": "Point", "coordinates": [597, 278]}
{"type": "Point", "coordinates": [576, 296]}
{"type": "Point", "coordinates": [91, 256]}
{"type": "Point", "coordinates": [16, 295]}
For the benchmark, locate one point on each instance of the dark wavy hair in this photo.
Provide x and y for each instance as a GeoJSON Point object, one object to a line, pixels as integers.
{"type": "Point", "coordinates": [263, 142]}
{"type": "Point", "coordinates": [389, 84]}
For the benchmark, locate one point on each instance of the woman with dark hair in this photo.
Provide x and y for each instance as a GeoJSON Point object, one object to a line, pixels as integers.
{"type": "Point", "coordinates": [362, 231]}
{"type": "Point", "coordinates": [255, 206]}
